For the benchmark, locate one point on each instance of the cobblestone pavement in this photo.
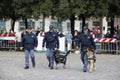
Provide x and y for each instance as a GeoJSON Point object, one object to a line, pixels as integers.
{"type": "Point", "coordinates": [12, 68]}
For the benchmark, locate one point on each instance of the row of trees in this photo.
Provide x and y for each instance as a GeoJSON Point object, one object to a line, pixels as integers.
{"type": "Point", "coordinates": [62, 9]}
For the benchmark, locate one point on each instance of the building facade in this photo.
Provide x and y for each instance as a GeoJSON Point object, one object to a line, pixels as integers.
{"type": "Point", "coordinates": [63, 26]}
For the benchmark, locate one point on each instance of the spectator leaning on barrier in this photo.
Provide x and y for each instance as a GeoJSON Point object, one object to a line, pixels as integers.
{"type": "Point", "coordinates": [29, 43]}
{"type": "Point", "coordinates": [95, 30]}
{"type": "Point", "coordinates": [4, 33]}
{"type": "Point", "coordinates": [52, 43]}
{"type": "Point", "coordinates": [86, 41]}
{"type": "Point", "coordinates": [108, 45]}
{"type": "Point", "coordinates": [98, 44]}
{"type": "Point", "coordinates": [11, 42]}
{"type": "Point", "coordinates": [4, 42]}
{"type": "Point", "coordinates": [116, 35]}
{"type": "Point", "coordinates": [115, 45]}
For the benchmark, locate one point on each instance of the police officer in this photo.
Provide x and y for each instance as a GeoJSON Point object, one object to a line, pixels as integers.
{"type": "Point", "coordinates": [29, 43]}
{"type": "Point", "coordinates": [52, 43]}
{"type": "Point", "coordinates": [86, 41]}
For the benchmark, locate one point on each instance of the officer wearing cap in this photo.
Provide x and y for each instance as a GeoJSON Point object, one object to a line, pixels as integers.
{"type": "Point", "coordinates": [86, 41]}
{"type": "Point", "coordinates": [29, 43]}
{"type": "Point", "coordinates": [52, 43]}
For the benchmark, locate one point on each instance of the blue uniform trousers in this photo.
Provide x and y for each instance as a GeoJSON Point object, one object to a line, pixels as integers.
{"type": "Point", "coordinates": [31, 53]}
{"type": "Point", "coordinates": [84, 60]}
{"type": "Point", "coordinates": [50, 57]}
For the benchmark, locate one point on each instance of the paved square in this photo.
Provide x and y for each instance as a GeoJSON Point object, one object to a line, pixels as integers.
{"type": "Point", "coordinates": [12, 68]}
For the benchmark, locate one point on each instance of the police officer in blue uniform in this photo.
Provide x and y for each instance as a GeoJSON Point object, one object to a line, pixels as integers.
{"type": "Point", "coordinates": [52, 43]}
{"type": "Point", "coordinates": [29, 43]}
{"type": "Point", "coordinates": [86, 41]}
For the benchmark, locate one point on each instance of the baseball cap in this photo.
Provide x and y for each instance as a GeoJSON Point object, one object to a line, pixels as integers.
{"type": "Point", "coordinates": [85, 28]}
{"type": "Point", "coordinates": [51, 27]}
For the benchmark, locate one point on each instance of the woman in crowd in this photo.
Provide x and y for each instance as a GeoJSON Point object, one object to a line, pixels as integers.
{"type": "Point", "coordinates": [11, 42]}
{"type": "Point", "coordinates": [69, 40]}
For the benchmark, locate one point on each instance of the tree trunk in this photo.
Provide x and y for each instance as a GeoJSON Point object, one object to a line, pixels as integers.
{"type": "Point", "coordinates": [43, 23]}
{"type": "Point", "coordinates": [72, 22]}
{"type": "Point", "coordinates": [100, 26]}
{"type": "Point", "coordinates": [26, 24]}
{"type": "Point", "coordinates": [112, 26]}
{"type": "Point", "coordinates": [83, 22]}
{"type": "Point", "coordinates": [13, 23]}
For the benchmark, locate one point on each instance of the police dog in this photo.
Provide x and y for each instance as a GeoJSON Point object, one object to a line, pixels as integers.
{"type": "Point", "coordinates": [59, 58]}
{"type": "Point", "coordinates": [91, 59]}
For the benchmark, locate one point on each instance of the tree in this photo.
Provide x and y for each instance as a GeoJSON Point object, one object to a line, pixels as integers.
{"type": "Point", "coordinates": [94, 8]}
{"type": "Point", "coordinates": [42, 8]}
{"type": "Point", "coordinates": [7, 11]}
{"type": "Point", "coordinates": [113, 11]}
{"type": "Point", "coordinates": [24, 8]}
{"type": "Point", "coordinates": [68, 9]}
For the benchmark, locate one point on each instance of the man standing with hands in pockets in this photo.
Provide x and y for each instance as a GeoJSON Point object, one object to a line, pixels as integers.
{"type": "Point", "coordinates": [29, 43]}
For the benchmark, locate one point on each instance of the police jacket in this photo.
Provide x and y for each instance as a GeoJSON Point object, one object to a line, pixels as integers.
{"type": "Point", "coordinates": [51, 40]}
{"type": "Point", "coordinates": [86, 41]}
{"type": "Point", "coordinates": [29, 41]}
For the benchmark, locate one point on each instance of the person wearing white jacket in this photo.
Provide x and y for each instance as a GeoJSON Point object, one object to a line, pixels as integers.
{"type": "Point", "coordinates": [18, 38]}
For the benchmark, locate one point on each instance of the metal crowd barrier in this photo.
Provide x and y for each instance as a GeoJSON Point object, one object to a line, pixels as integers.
{"type": "Point", "coordinates": [107, 45]}
{"type": "Point", "coordinates": [8, 43]}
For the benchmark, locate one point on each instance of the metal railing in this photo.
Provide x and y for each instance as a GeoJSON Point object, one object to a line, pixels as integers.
{"type": "Point", "coordinates": [8, 43]}
{"type": "Point", "coordinates": [107, 47]}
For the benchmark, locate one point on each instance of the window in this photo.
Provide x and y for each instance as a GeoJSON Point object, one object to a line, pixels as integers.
{"type": "Point", "coordinates": [59, 27]}
{"type": "Point", "coordinates": [41, 26]}
{"type": "Point", "coordinates": [68, 26]}
{"type": "Point", "coordinates": [2, 25]}
{"type": "Point", "coordinates": [56, 25]}
{"type": "Point", "coordinates": [80, 26]}
{"type": "Point", "coordinates": [22, 25]}
{"type": "Point", "coordinates": [30, 23]}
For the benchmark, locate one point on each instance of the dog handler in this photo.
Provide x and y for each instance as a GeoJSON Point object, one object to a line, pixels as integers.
{"type": "Point", "coordinates": [86, 41]}
{"type": "Point", "coordinates": [52, 43]}
{"type": "Point", "coordinates": [29, 43]}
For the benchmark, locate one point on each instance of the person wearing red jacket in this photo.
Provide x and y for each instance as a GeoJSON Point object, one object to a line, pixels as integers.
{"type": "Point", "coordinates": [3, 42]}
{"type": "Point", "coordinates": [4, 33]}
{"type": "Point", "coordinates": [11, 42]}
{"type": "Point", "coordinates": [95, 31]}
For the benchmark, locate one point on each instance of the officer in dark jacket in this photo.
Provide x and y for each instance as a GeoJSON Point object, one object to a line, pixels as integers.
{"type": "Point", "coordinates": [52, 43]}
{"type": "Point", "coordinates": [86, 41]}
{"type": "Point", "coordinates": [29, 43]}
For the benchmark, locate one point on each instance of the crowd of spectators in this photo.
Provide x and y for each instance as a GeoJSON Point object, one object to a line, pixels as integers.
{"type": "Point", "coordinates": [96, 32]}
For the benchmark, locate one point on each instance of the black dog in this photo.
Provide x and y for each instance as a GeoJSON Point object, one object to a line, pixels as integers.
{"type": "Point", "coordinates": [59, 58]}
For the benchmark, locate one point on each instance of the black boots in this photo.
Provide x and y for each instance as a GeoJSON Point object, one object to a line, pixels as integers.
{"type": "Point", "coordinates": [27, 67]}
